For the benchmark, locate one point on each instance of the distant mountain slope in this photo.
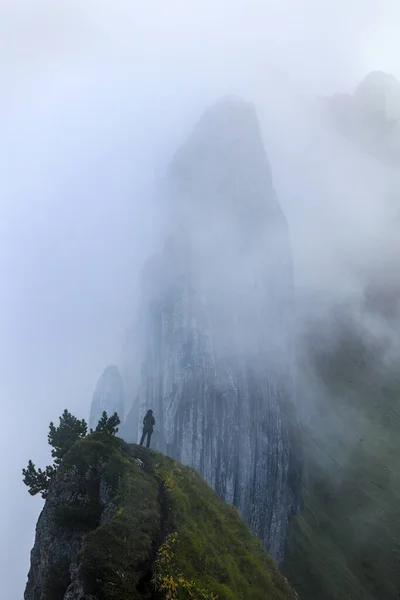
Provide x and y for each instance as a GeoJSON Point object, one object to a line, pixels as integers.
{"type": "Point", "coordinates": [345, 542]}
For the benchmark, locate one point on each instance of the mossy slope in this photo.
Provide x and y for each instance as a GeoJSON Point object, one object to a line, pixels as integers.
{"type": "Point", "coordinates": [208, 551]}
{"type": "Point", "coordinates": [149, 528]}
{"type": "Point", "coordinates": [344, 543]}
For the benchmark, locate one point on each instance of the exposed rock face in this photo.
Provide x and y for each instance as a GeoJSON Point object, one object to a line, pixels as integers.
{"type": "Point", "coordinates": [77, 502]}
{"type": "Point", "coordinates": [108, 396]}
{"type": "Point", "coordinates": [215, 324]}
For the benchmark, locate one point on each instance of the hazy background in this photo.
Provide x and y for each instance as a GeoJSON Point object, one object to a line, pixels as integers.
{"type": "Point", "coordinates": [95, 98]}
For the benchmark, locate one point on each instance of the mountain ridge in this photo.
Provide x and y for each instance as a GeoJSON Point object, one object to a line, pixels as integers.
{"type": "Point", "coordinates": [125, 523]}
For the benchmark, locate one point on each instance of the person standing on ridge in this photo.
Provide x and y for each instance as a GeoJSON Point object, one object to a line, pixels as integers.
{"type": "Point", "coordinates": [148, 424]}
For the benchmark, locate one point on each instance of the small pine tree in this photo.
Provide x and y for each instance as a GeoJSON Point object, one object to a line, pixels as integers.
{"type": "Point", "coordinates": [38, 481]}
{"type": "Point", "coordinates": [63, 437]}
{"type": "Point", "coordinates": [108, 425]}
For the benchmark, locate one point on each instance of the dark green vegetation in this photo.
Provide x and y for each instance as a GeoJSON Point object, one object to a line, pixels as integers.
{"type": "Point", "coordinates": [107, 424]}
{"type": "Point", "coordinates": [116, 553]}
{"type": "Point", "coordinates": [156, 531]}
{"type": "Point", "coordinates": [345, 542]}
{"type": "Point", "coordinates": [62, 439]}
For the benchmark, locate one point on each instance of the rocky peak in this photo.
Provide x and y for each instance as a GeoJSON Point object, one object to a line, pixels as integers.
{"type": "Point", "coordinates": [214, 324]}
{"type": "Point", "coordinates": [108, 396]}
{"type": "Point", "coordinates": [220, 175]}
{"type": "Point", "coordinates": [371, 115]}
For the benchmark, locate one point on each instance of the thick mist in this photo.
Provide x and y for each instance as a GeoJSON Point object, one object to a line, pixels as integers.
{"type": "Point", "coordinates": [96, 98]}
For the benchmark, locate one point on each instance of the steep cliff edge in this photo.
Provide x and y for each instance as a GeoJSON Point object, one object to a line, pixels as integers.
{"type": "Point", "coordinates": [214, 326]}
{"type": "Point", "coordinates": [124, 523]}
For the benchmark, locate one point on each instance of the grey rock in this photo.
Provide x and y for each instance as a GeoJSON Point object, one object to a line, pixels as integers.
{"type": "Point", "coordinates": [56, 544]}
{"type": "Point", "coordinates": [214, 325]}
{"type": "Point", "coordinates": [75, 590]}
{"type": "Point", "coordinates": [108, 396]}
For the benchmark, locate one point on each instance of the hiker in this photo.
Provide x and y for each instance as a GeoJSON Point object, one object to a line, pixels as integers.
{"type": "Point", "coordinates": [148, 424]}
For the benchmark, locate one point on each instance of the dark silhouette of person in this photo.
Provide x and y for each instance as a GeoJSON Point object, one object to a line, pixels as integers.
{"type": "Point", "coordinates": [148, 424]}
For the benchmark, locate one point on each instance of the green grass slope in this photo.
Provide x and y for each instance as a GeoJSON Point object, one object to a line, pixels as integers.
{"type": "Point", "coordinates": [167, 534]}
{"type": "Point", "coordinates": [345, 541]}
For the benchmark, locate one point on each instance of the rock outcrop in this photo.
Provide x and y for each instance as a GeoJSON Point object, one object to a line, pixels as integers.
{"type": "Point", "coordinates": [108, 396]}
{"type": "Point", "coordinates": [215, 324]}
{"type": "Point", "coordinates": [122, 523]}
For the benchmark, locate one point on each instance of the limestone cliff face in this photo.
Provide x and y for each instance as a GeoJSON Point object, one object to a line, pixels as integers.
{"type": "Point", "coordinates": [108, 396]}
{"type": "Point", "coordinates": [215, 323]}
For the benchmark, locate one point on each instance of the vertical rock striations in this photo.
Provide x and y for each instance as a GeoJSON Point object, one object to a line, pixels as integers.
{"type": "Point", "coordinates": [215, 322]}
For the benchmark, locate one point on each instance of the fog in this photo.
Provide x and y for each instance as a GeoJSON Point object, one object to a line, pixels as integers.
{"type": "Point", "coordinates": [96, 98]}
